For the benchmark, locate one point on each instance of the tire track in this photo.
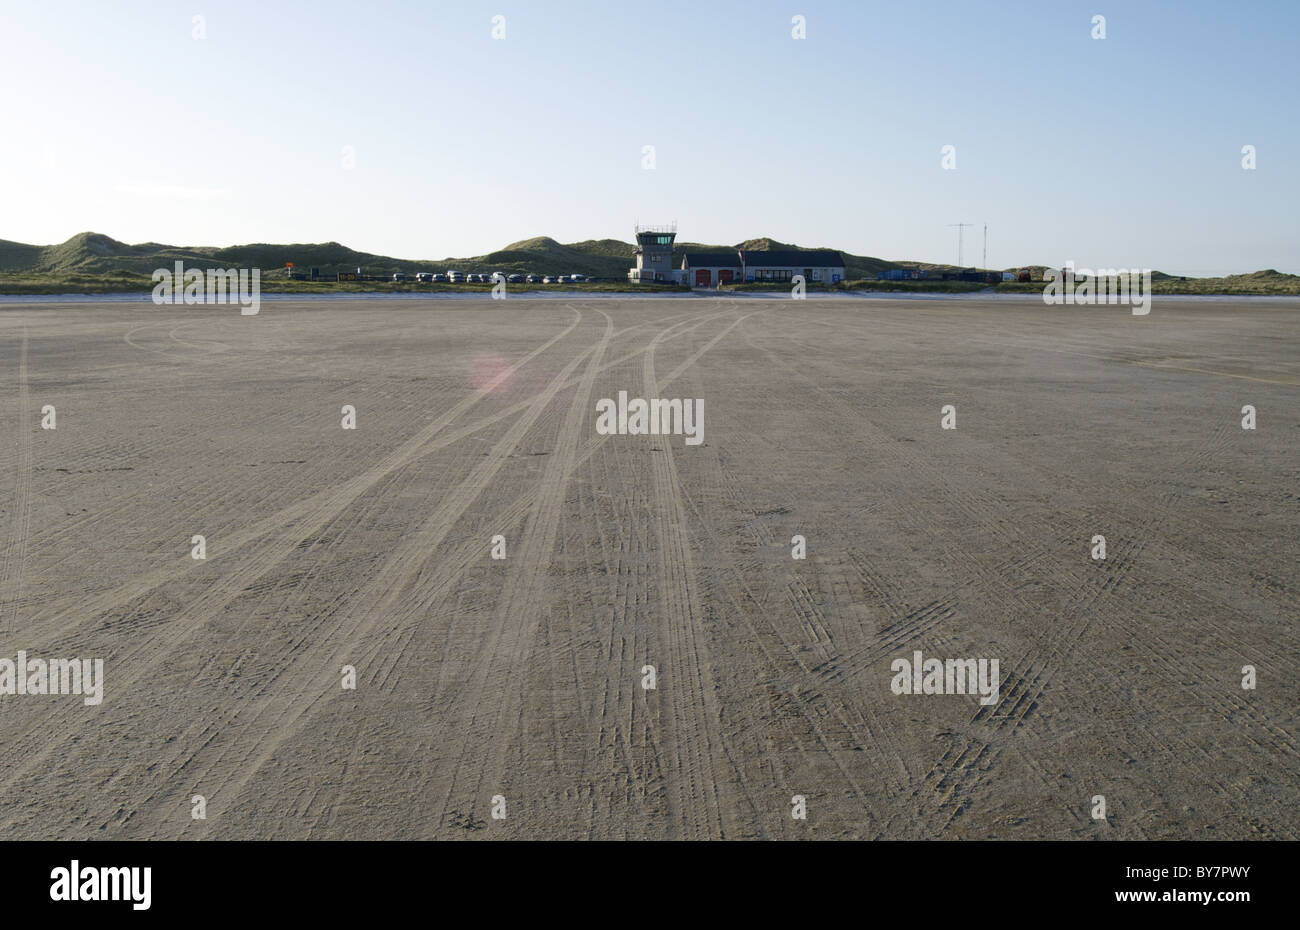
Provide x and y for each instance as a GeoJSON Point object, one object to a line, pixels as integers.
{"type": "Point", "coordinates": [480, 661]}
{"type": "Point", "coordinates": [296, 695]}
{"type": "Point", "coordinates": [237, 540]}
{"type": "Point", "coordinates": [471, 694]}
{"type": "Point", "coordinates": [956, 768]}
{"type": "Point", "coordinates": [15, 558]}
{"type": "Point", "coordinates": [309, 518]}
{"type": "Point", "coordinates": [512, 514]}
{"type": "Point", "coordinates": [300, 520]}
{"type": "Point", "coordinates": [694, 742]}
{"type": "Point", "coordinates": [782, 658]}
{"type": "Point", "coordinates": [520, 611]}
{"type": "Point", "coordinates": [228, 589]}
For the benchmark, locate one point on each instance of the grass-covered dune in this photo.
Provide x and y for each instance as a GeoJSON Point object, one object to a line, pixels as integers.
{"type": "Point", "coordinates": [92, 263]}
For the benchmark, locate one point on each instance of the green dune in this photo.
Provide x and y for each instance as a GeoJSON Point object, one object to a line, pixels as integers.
{"type": "Point", "coordinates": [93, 262]}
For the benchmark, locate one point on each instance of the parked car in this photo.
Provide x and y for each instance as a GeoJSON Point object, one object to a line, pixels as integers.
{"type": "Point", "coordinates": [577, 278]}
{"type": "Point", "coordinates": [439, 278]}
{"type": "Point", "coordinates": [456, 277]}
{"type": "Point", "coordinates": [515, 278]}
{"type": "Point", "coordinates": [533, 278]}
{"type": "Point", "coordinates": [424, 277]}
{"type": "Point", "coordinates": [398, 276]}
{"type": "Point", "coordinates": [548, 280]}
{"type": "Point", "coordinates": [563, 279]}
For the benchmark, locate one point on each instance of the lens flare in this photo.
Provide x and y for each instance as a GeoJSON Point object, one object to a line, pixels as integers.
{"type": "Point", "coordinates": [488, 373]}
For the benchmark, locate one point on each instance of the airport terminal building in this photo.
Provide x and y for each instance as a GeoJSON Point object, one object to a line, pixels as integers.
{"type": "Point", "coordinates": [708, 269]}
{"type": "Point", "coordinates": [654, 263]}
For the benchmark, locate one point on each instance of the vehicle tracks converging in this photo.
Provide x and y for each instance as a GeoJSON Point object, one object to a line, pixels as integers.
{"type": "Point", "coordinates": [173, 634]}
{"type": "Point", "coordinates": [278, 536]}
{"type": "Point", "coordinates": [522, 677]}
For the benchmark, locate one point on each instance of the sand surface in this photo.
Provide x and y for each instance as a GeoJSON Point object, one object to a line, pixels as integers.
{"type": "Point", "coordinates": [522, 677]}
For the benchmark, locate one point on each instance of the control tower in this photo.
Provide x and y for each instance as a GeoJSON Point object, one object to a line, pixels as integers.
{"type": "Point", "coordinates": [654, 254]}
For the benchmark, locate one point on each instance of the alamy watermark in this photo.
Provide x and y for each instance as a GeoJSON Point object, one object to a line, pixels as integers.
{"type": "Point", "coordinates": [103, 883]}
{"type": "Point", "coordinates": [219, 286]}
{"type": "Point", "coordinates": [655, 417]}
{"type": "Point", "coordinates": [951, 676]}
{"type": "Point", "coordinates": [1103, 286]}
{"type": "Point", "coordinates": [25, 676]}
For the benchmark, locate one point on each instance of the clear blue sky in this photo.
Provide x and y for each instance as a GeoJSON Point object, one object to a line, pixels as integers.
{"type": "Point", "coordinates": [1122, 152]}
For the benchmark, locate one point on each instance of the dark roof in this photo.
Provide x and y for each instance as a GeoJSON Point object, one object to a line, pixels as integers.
{"type": "Point", "coordinates": [713, 260]}
{"type": "Point", "coordinates": [813, 258]}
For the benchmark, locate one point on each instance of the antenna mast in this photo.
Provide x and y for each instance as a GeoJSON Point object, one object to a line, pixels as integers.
{"type": "Point", "coordinates": [960, 228]}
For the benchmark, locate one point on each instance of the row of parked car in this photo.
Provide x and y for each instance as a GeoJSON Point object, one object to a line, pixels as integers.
{"type": "Point", "coordinates": [456, 277]}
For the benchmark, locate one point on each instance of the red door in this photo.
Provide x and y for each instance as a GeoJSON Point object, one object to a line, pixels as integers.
{"type": "Point", "coordinates": [702, 277]}
{"type": "Point", "coordinates": [724, 276]}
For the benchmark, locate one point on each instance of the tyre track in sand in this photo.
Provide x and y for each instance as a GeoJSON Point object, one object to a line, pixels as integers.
{"type": "Point", "coordinates": [385, 592]}
{"type": "Point", "coordinates": [519, 614]}
{"type": "Point", "coordinates": [974, 757]}
{"type": "Point", "coordinates": [432, 596]}
{"type": "Point", "coordinates": [125, 594]}
{"type": "Point", "coordinates": [15, 558]}
{"type": "Point", "coordinates": [476, 694]}
{"type": "Point", "coordinates": [787, 669]}
{"type": "Point", "coordinates": [797, 706]}
{"type": "Point", "coordinates": [475, 679]}
{"type": "Point", "coordinates": [1051, 646]}
{"type": "Point", "coordinates": [300, 520]}
{"type": "Point", "coordinates": [308, 680]}
{"type": "Point", "coordinates": [286, 529]}
{"type": "Point", "coordinates": [227, 590]}
{"type": "Point", "coordinates": [694, 738]}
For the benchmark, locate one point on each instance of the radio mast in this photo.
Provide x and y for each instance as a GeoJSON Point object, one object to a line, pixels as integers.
{"type": "Point", "coordinates": [960, 228]}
